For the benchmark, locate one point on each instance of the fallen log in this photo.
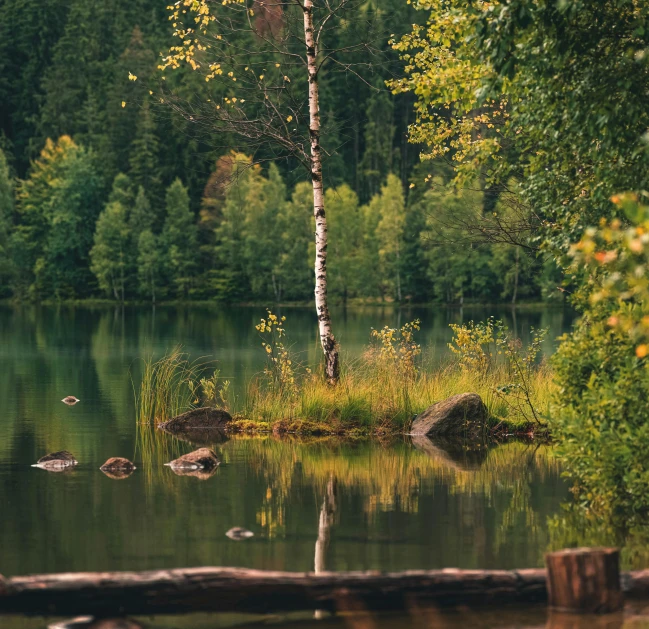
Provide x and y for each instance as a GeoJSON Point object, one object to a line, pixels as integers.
{"type": "Point", "coordinates": [110, 594]}
{"type": "Point", "coordinates": [258, 591]}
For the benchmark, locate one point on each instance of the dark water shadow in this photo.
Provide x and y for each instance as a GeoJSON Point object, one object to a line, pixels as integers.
{"type": "Point", "coordinates": [456, 453]}
{"type": "Point", "coordinates": [200, 437]}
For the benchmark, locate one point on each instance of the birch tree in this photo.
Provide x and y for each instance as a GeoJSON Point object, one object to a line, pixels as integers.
{"type": "Point", "coordinates": [262, 62]}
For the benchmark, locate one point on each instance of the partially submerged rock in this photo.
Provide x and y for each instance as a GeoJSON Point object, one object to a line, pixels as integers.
{"type": "Point", "coordinates": [70, 400]}
{"type": "Point", "coordinates": [197, 419]}
{"type": "Point", "coordinates": [238, 533]}
{"type": "Point", "coordinates": [114, 623]}
{"type": "Point", "coordinates": [117, 468]}
{"type": "Point", "coordinates": [88, 622]}
{"type": "Point", "coordinates": [57, 461]}
{"type": "Point", "coordinates": [201, 459]}
{"type": "Point", "coordinates": [463, 415]}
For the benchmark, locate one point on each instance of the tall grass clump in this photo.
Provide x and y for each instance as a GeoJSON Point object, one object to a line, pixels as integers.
{"type": "Point", "coordinates": [165, 389]}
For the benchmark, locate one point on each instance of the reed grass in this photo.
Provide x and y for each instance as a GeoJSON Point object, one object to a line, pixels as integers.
{"type": "Point", "coordinates": [167, 387]}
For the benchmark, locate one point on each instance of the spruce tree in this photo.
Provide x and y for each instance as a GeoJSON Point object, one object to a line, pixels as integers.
{"type": "Point", "coordinates": [57, 207]}
{"type": "Point", "coordinates": [148, 264]}
{"type": "Point", "coordinates": [345, 251]}
{"type": "Point", "coordinates": [391, 208]}
{"type": "Point", "coordinates": [378, 157]}
{"type": "Point", "coordinates": [261, 205]}
{"type": "Point", "coordinates": [144, 156]}
{"type": "Point", "coordinates": [110, 251]}
{"type": "Point", "coordinates": [6, 217]}
{"type": "Point", "coordinates": [179, 239]}
{"type": "Point", "coordinates": [139, 62]}
{"type": "Point", "coordinates": [121, 191]}
{"type": "Point", "coordinates": [140, 218]}
{"type": "Point", "coordinates": [296, 226]}
{"type": "Point", "coordinates": [231, 276]}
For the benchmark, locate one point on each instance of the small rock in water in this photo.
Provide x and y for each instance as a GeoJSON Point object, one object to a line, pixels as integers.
{"type": "Point", "coordinates": [70, 400]}
{"type": "Point", "coordinates": [117, 468]}
{"type": "Point", "coordinates": [57, 461]}
{"type": "Point", "coordinates": [88, 622]}
{"type": "Point", "coordinates": [237, 533]}
{"type": "Point", "coordinates": [114, 623]}
{"type": "Point", "coordinates": [80, 622]}
{"type": "Point", "coordinates": [201, 459]}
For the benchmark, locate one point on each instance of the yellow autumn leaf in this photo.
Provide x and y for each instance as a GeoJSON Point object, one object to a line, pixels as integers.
{"type": "Point", "coordinates": [289, 118]}
{"type": "Point", "coordinates": [131, 77]}
{"type": "Point", "coordinates": [123, 103]}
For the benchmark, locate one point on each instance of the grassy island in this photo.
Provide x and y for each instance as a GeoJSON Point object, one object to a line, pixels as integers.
{"type": "Point", "coordinates": [378, 393]}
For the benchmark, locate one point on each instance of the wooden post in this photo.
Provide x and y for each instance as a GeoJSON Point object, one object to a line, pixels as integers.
{"type": "Point", "coordinates": [584, 580]}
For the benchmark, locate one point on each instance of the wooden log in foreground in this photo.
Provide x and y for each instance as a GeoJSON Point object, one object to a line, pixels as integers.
{"type": "Point", "coordinates": [585, 580]}
{"type": "Point", "coordinates": [582, 580]}
{"type": "Point", "coordinates": [242, 590]}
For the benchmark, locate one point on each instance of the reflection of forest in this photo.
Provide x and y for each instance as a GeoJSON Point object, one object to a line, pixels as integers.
{"type": "Point", "coordinates": [397, 507]}
{"type": "Point", "coordinates": [394, 478]}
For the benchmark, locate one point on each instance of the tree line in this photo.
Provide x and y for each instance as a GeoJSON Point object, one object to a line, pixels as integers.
{"type": "Point", "coordinates": [64, 236]}
{"type": "Point", "coordinates": [107, 192]}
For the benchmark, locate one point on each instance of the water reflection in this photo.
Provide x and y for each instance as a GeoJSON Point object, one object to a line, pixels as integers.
{"type": "Point", "coordinates": [635, 616]}
{"type": "Point", "coordinates": [363, 505]}
{"type": "Point", "coordinates": [397, 507]}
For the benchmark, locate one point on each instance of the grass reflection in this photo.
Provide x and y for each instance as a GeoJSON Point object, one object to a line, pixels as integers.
{"type": "Point", "coordinates": [391, 477]}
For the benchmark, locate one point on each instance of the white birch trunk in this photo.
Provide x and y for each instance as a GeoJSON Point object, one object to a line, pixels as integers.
{"type": "Point", "coordinates": [327, 340]}
{"type": "Point", "coordinates": [325, 522]}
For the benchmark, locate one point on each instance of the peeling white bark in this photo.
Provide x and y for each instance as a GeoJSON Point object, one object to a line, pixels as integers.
{"type": "Point", "coordinates": [327, 340]}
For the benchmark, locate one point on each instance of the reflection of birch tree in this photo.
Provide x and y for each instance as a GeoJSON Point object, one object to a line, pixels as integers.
{"type": "Point", "coordinates": [327, 515]}
{"type": "Point", "coordinates": [325, 522]}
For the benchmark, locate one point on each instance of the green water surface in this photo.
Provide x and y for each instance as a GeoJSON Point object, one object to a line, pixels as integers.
{"type": "Point", "coordinates": [391, 506]}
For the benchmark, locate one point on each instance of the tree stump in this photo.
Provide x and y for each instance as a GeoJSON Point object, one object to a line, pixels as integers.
{"type": "Point", "coordinates": [584, 580]}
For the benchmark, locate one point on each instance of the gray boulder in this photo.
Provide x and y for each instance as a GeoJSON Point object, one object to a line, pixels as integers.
{"type": "Point", "coordinates": [117, 468]}
{"type": "Point", "coordinates": [201, 459]}
{"type": "Point", "coordinates": [198, 419]}
{"type": "Point", "coordinates": [57, 461]}
{"type": "Point", "coordinates": [463, 415]}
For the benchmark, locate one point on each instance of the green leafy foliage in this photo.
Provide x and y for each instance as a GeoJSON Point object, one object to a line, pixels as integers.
{"type": "Point", "coordinates": [179, 239]}
{"type": "Point", "coordinates": [485, 347]}
{"type": "Point", "coordinates": [6, 217]}
{"type": "Point", "coordinates": [57, 208]}
{"type": "Point", "coordinates": [109, 254]}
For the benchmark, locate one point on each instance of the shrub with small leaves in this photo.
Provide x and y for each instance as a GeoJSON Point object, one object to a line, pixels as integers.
{"type": "Point", "coordinates": [397, 347]}
{"type": "Point", "coordinates": [211, 391]}
{"type": "Point", "coordinates": [600, 415]}
{"type": "Point", "coordinates": [479, 346]}
{"type": "Point", "coordinates": [279, 367]}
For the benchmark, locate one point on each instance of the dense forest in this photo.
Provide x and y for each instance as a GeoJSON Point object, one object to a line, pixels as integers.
{"type": "Point", "coordinates": [105, 192]}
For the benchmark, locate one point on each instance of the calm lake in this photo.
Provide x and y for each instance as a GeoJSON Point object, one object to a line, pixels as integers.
{"type": "Point", "coordinates": [396, 505]}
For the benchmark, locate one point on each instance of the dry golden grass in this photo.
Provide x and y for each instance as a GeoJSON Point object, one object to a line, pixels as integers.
{"type": "Point", "coordinates": [374, 397]}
